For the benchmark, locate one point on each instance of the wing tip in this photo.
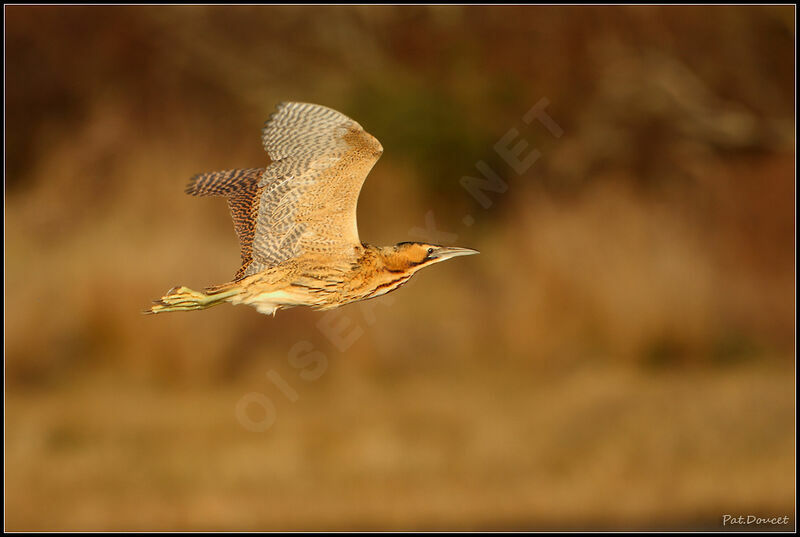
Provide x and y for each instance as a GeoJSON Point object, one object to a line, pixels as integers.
{"type": "Point", "coordinates": [191, 187]}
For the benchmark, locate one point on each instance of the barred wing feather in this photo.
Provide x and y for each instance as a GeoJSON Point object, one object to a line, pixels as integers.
{"type": "Point", "coordinates": [308, 194]}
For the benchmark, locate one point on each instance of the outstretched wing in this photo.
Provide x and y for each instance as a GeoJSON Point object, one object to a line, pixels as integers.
{"type": "Point", "coordinates": [307, 196]}
{"type": "Point", "coordinates": [241, 188]}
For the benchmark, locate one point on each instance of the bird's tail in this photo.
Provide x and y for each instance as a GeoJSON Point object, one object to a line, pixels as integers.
{"type": "Point", "coordinates": [185, 299]}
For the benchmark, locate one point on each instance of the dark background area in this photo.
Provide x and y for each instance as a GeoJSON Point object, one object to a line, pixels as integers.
{"type": "Point", "coordinates": [620, 355]}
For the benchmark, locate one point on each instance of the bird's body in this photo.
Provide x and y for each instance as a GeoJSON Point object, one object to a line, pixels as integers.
{"type": "Point", "coordinates": [296, 221]}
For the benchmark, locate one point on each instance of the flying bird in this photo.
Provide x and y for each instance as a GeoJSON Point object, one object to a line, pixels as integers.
{"type": "Point", "coordinates": [296, 221]}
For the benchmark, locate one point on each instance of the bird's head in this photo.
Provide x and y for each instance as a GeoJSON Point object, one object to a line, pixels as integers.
{"type": "Point", "coordinates": [415, 255]}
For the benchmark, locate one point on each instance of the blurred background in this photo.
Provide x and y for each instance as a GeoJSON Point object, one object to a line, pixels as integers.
{"type": "Point", "coordinates": [620, 356]}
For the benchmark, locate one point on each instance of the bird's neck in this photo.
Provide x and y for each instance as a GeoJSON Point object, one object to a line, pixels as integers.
{"type": "Point", "coordinates": [381, 270]}
{"type": "Point", "coordinates": [383, 259]}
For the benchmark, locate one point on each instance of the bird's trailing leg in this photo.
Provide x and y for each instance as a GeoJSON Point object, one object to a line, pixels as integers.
{"type": "Point", "coordinates": [185, 299]}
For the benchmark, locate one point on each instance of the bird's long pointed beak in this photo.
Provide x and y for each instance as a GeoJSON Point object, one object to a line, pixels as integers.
{"type": "Point", "coordinates": [446, 252]}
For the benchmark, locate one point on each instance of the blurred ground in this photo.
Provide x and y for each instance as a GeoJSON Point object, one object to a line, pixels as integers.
{"type": "Point", "coordinates": [621, 355]}
{"type": "Point", "coordinates": [472, 450]}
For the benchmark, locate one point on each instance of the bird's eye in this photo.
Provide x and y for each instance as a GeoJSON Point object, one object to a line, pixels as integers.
{"type": "Point", "coordinates": [430, 251]}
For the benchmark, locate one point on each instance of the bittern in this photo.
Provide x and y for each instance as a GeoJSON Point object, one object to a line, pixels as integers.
{"type": "Point", "coordinates": [296, 221]}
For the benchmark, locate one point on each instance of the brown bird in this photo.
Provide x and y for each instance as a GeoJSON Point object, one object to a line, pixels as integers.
{"type": "Point", "coordinates": [296, 221]}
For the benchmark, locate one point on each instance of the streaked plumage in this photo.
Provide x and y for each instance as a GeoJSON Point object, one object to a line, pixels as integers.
{"type": "Point", "coordinates": [296, 221]}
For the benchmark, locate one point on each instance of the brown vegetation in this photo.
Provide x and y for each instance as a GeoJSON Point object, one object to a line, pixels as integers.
{"type": "Point", "coordinates": [619, 356]}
